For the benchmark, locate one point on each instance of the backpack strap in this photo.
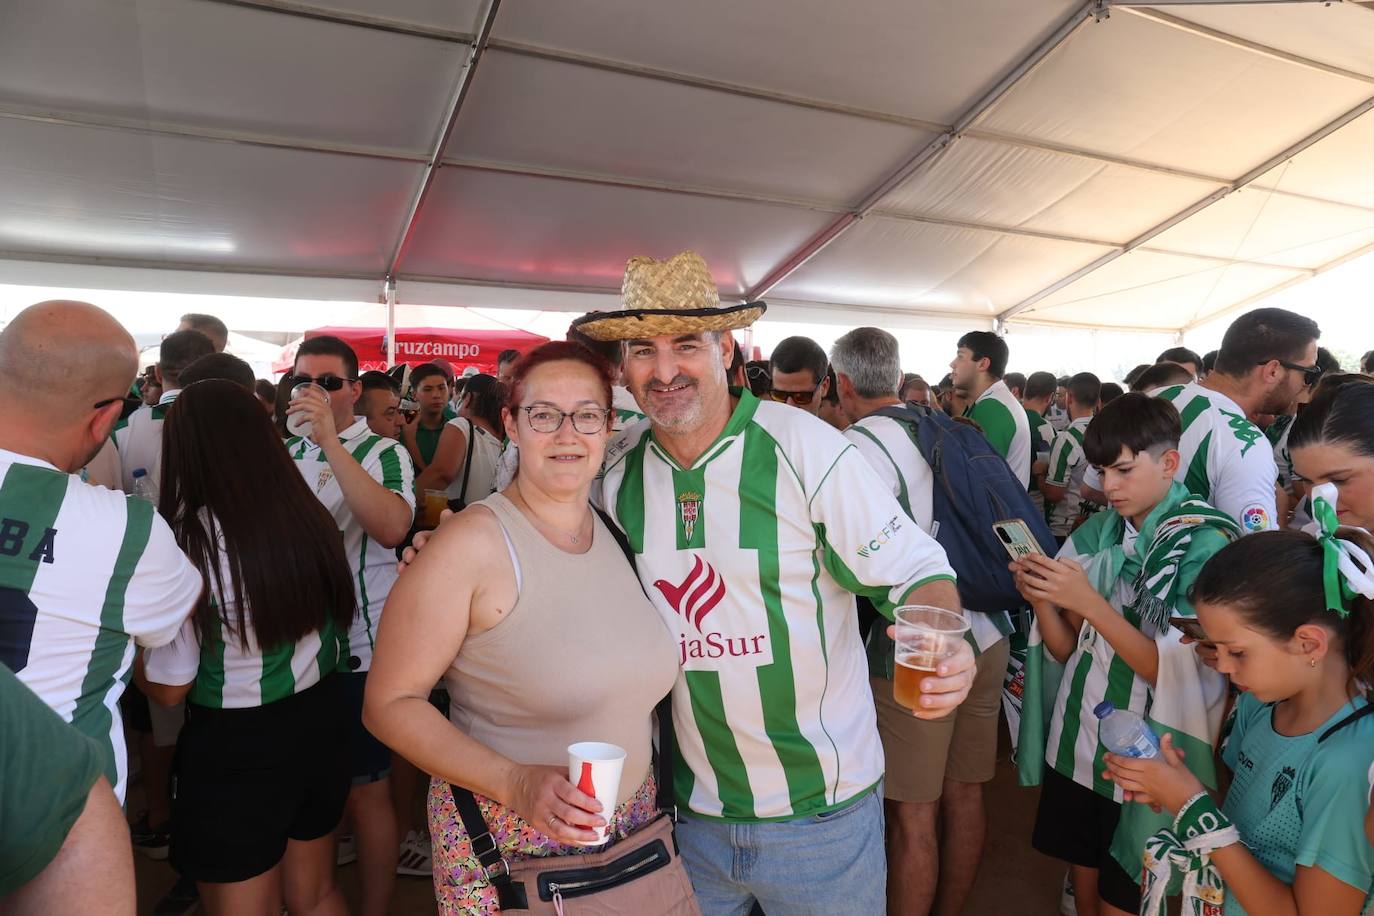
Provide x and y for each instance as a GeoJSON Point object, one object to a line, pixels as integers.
{"type": "Point", "coordinates": [467, 462]}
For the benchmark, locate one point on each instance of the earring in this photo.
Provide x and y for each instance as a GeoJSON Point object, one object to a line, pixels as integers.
{"type": "Point", "coordinates": [1312, 662]}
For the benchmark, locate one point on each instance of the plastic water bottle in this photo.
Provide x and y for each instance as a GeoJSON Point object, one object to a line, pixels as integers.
{"type": "Point", "coordinates": [143, 485]}
{"type": "Point", "coordinates": [1125, 733]}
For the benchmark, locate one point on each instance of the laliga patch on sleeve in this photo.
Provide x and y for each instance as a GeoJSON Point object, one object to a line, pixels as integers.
{"type": "Point", "coordinates": [1255, 518]}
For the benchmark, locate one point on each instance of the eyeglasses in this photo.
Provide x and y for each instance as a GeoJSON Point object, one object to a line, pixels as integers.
{"type": "Point", "coordinates": [585, 420]}
{"type": "Point", "coordinates": [1310, 374]}
{"type": "Point", "coordinates": [800, 398]}
{"type": "Point", "coordinates": [327, 382]}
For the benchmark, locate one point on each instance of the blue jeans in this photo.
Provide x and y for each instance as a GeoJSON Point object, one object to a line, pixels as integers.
{"type": "Point", "coordinates": [812, 866]}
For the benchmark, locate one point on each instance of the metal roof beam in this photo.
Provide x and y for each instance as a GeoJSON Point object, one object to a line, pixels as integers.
{"type": "Point", "coordinates": [200, 132]}
{"type": "Point", "coordinates": [1245, 44]}
{"type": "Point", "coordinates": [358, 20]}
{"type": "Point", "coordinates": [486, 19]}
{"type": "Point", "coordinates": [928, 154]}
{"type": "Point", "coordinates": [1198, 206]}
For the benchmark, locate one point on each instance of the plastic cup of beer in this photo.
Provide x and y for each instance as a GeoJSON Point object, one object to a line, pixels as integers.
{"type": "Point", "coordinates": [926, 636]}
{"type": "Point", "coordinates": [436, 501]}
{"type": "Point", "coordinates": [298, 424]}
{"type": "Point", "coordinates": [594, 767]}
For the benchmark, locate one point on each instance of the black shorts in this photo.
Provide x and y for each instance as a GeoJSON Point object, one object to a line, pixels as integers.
{"type": "Point", "coordinates": [248, 780]}
{"type": "Point", "coordinates": [369, 760]}
{"type": "Point", "coordinates": [1076, 824]}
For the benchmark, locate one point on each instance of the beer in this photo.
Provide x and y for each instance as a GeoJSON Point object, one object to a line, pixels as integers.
{"type": "Point", "coordinates": [909, 673]}
{"type": "Point", "coordinates": [436, 501]}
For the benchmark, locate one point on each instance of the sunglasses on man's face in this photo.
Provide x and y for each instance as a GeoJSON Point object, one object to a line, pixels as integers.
{"type": "Point", "coordinates": [800, 398]}
{"type": "Point", "coordinates": [327, 382]}
{"type": "Point", "coordinates": [1310, 374]}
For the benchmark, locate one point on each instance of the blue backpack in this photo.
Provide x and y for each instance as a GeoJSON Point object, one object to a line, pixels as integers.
{"type": "Point", "coordinates": [973, 487]}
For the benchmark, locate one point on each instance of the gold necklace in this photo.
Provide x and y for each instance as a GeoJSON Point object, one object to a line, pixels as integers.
{"type": "Point", "coordinates": [572, 537]}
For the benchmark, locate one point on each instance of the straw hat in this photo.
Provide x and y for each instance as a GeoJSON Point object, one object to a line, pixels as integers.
{"type": "Point", "coordinates": [662, 298]}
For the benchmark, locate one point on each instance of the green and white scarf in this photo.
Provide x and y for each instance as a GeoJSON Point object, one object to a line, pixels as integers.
{"type": "Point", "coordinates": [1189, 698]}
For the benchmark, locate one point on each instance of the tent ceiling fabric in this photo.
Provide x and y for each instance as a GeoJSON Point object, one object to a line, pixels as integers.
{"type": "Point", "coordinates": [820, 163]}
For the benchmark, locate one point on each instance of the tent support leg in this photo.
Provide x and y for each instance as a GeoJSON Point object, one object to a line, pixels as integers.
{"type": "Point", "coordinates": [390, 294]}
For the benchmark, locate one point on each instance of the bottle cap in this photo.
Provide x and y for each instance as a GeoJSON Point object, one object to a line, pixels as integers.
{"type": "Point", "coordinates": [140, 472]}
{"type": "Point", "coordinates": [1104, 709]}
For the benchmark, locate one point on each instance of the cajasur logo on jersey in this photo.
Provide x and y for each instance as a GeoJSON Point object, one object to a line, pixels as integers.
{"type": "Point", "coordinates": [693, 599]}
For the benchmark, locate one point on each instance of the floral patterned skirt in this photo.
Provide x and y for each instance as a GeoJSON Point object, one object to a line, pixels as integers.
{"type": "Point", "coordinates": [461, 888]}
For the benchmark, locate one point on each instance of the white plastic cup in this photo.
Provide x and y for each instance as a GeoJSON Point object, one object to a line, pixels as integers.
{"type": "Point", "coordinates": [298, 424]}
{"type": "Point", "coordinates": [595, 767]}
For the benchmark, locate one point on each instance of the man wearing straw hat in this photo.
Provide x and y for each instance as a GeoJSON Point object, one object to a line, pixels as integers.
{"type": "Point", "coordinates": [754, 525]}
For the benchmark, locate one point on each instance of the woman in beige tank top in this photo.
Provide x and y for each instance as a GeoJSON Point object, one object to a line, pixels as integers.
{"type": "Point", "coordinates": [526, 607]}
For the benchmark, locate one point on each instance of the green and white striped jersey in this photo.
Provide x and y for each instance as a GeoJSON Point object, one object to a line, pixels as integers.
{"type": "Point", "coordinates": [85, 574]}
{"type": "Point", "coordinates": [889, 446]}
{"type": "Point", "coordinates": [752, 556]}
{"type": "Point", "coordinates": [1004, 422]}
{"type": "Point", "coordinates": [138, 437]}
{"type": "Point", "coordinates": [625, 408]}
{"type": "Point", "coordinates": [234, 673]}
{"type": "Point", "coordinates": [1225, 458]}
{"type": "Point", "coordinates": [1042, 440]}
{"type": "Point", "coordinates": [1095, 673]}
{"type": "Point", "coordinates": [373, 566]}
{"type": "Point", "coordinates": [1277, 434]}
{"type": "Point", "coordinates": [1067, 466]}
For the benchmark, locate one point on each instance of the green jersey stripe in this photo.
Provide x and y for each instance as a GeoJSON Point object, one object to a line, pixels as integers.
{"type": "Point", "coordinates": [331, 645]}
{"type": "Point", "coordinates": [630, 500]}
{"type": "Point", "coordinates": [1063, 455]}
{"type": "Point", "coordinates": [91, 715]}
{"type": "Point", "coordinates": [903, 499]}
{"type": "Point", "coordinates": [278, 680]}
{"type": "Point", "coordinates": [32, 496]}
{"type": "Point", "coordinates": [1197, 480]}
{"type": "Point", "coordinates": [364, 607]}
{"type": "Point", "coordinates": [360, 452]}
{"type": "Point", "coordinates": [391, 470]}
{"type": "Point", "coordinates": [777, 689]}
{"type": "Point", "coordinates": [1196, 408]}
{"type": "Point", "coordinates": [718, 742]}
{"type": "Point", "coordinates": [208, 690]}
{"type": "Point", "coordinates": [825, 680]}
{"type": "Point", "coordinates": [1120, 686]}
{"type": "Point", "coordinates": [1068, 736]}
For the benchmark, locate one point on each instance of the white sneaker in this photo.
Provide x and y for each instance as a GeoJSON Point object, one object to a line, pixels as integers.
{"type": "Point", "coordinates": [415, 854]}
{"type": "Point", "coordinates": [1067, 905]}
{"type": "Point", "coordinates": [348, 851]}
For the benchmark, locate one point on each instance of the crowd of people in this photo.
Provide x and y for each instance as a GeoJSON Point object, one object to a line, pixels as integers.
{"type": "Point", "coordinates": [644, 529]}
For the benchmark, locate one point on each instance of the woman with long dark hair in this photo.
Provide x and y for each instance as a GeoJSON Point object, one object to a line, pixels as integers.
{"type": "Point", "coordinates": [479, 423]}
{"type": "Point", "coordinates": [262, 763]}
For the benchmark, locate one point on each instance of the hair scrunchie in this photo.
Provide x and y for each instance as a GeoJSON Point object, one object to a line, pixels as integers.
{"type": "Point", "coordinates": [1346, 568]}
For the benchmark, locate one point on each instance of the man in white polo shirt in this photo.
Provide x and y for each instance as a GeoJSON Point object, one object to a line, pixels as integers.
{"type": "Point", "coordinates": [139, 437]}
{"type": "Point", "coordinates": [977, 368]}
{"type": "Point", "coordinates": [85, 573]}
{"type": "Point", "coordinates": [367, 482]}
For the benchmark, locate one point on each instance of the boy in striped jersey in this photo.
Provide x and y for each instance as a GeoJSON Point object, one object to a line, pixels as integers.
{"type": "Point", "coordinates": [367, 483]}
{"type": "Point", "coordinates": [978, 367]}
{"type": "Point", "coordinates": [1063, 484]}
{"type": "Point", "coordinates": [1036, 399]}
{"type": "Point", "coordinates": [1266, 359]}
{"type": "Point", "coordinates": [1100, 607]}
{"type": "Point", "coordinates": [85, 573]}
{"type": "Point", "coordinates": [753, 525]}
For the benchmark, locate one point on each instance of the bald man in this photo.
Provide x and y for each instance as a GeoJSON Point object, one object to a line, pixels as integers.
{"type": "Point", "coordinates": [85, 573]}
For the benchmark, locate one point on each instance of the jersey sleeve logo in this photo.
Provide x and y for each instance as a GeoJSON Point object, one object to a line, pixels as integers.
{"type": "Point", "coordinates": [1255, 518]}
{"type": "Point", "coordinates": [697, 595]}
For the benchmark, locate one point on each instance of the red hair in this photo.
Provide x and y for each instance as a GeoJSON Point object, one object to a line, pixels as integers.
{"type": "Point", "coordinates": [558, 351]}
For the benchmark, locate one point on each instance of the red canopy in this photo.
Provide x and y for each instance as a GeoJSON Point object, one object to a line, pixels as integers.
{"type": "Point", "coordinates": [422, 345]}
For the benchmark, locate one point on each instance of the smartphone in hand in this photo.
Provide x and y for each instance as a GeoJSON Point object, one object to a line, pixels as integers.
{"type": "Point", "coordinates": [1190, 627]}
{"type": "Point", "coordinates": [1016, 537]}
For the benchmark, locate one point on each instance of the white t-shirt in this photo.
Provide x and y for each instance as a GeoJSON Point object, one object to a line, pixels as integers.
{"type": "Point", "coordinates": [1226, 459]}
{"type": "Point", "coordinates": [889, 448]}
{"type": "Point", "coordinates": [486, 452]}
{"type": "Point", "coordinates": [372, 565]}
{"type": "Point", "coordinates": [139, 440]}
{"type": "Point", "coordinates": [85, 574]}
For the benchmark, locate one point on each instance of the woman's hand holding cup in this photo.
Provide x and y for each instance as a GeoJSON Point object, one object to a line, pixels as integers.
{"type": "Point", "coordinates": [543, 796]}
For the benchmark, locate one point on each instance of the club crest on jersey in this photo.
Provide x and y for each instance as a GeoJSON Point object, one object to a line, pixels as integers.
{"type": "Point", "coordinates": [689, 506]}
{"type": "Point", "coordinates": [322, 481]}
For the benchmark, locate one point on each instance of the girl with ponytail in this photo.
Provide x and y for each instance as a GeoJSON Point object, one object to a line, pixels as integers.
{"type": "Point", "coordinates": [1292, 615]}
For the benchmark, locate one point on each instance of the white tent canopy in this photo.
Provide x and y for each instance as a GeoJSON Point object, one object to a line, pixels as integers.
{"type": "Point", "coordinates": [1108, 164]}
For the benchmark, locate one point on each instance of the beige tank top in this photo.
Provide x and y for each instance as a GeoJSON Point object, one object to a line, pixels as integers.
{"type": "Point", "coordinates": [582, 656]}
